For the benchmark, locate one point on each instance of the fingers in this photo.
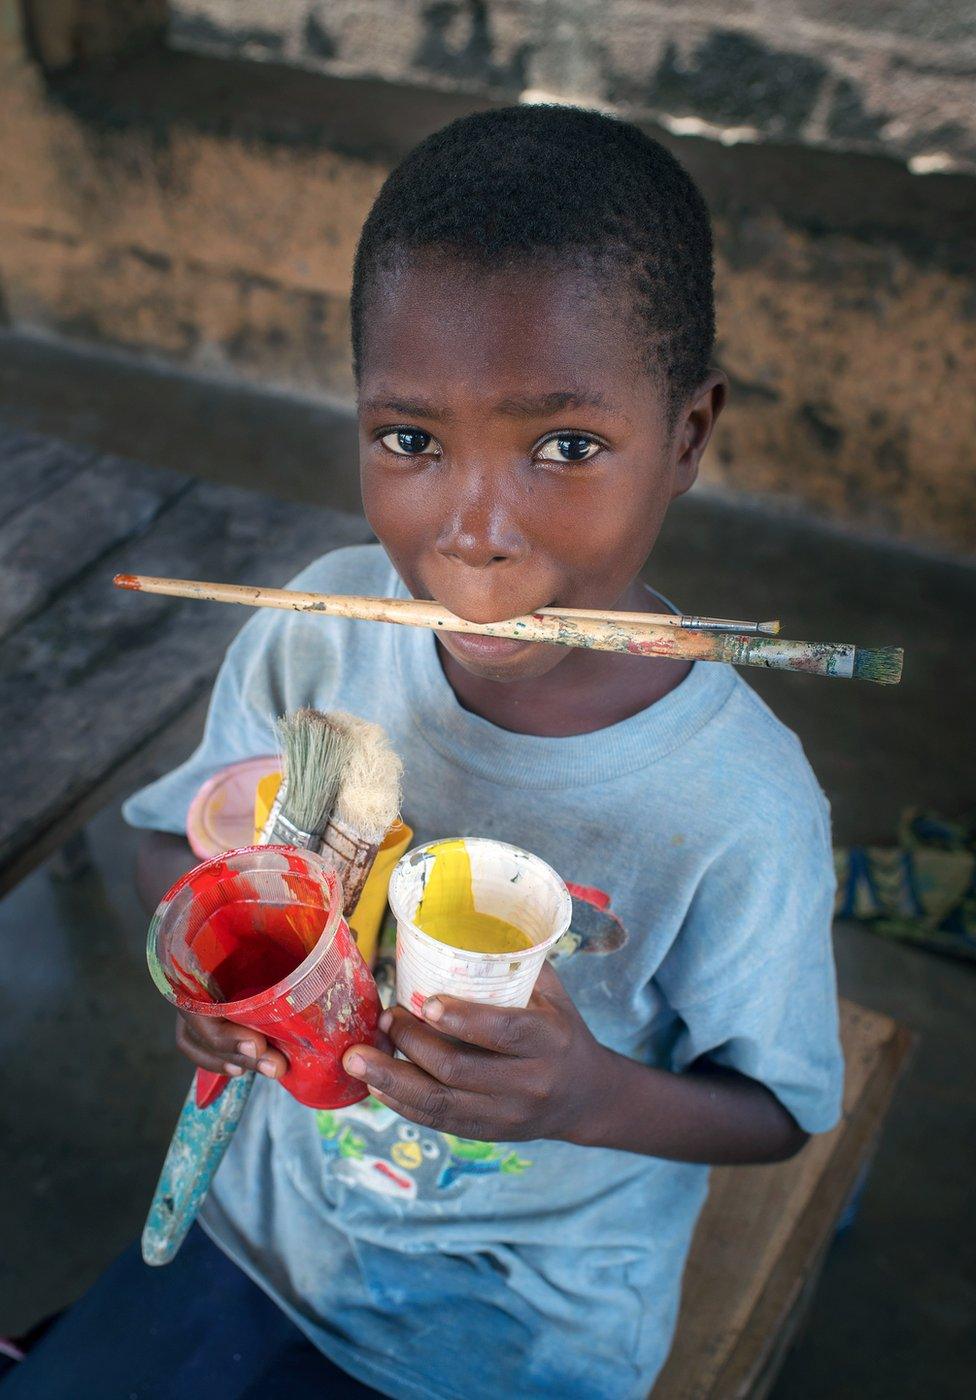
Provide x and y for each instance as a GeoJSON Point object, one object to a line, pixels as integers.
{"type": "Point", "coordinates": [548, 985]}
{"type": "Point", "coordinates": [226, 1048]}
{"type": "Point", "coordinates": [449, 1061]}
{"type": "Point", "coordinates": [508, 1030]}
{"type": "Point", "coordinates": [412, 1092]}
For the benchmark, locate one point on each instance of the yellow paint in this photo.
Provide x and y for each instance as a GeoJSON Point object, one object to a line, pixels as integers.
{"type": "Point", "coordinates": [264, 796]}
{"type": "Point", "coordinates": [447, 910]}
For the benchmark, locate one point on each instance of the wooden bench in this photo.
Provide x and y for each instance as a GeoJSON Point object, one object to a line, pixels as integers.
{"type": "Point", "coordinates": [764, 1232]}
{"type": "Point", "coordinates": [91, 682]}
{"type": "Point", "coordinates": [92, 679]}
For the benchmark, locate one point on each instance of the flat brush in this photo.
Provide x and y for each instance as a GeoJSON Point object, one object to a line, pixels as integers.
{"type": "Point", "coordinates": [607, 632]}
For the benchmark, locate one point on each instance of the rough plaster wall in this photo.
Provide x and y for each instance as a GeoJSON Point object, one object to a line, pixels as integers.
{"type": "Point", "coordinates": [224, 255]}
{"type": "Point", "coordinates": [849, 368]}
{"type": "Point", "coordinates": [223, 240]}
{"type": "Point", "coordinates": [887, 75]}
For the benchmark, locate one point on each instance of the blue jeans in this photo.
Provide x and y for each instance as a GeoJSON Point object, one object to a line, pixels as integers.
{"type": "Point", "coordinates": [196, 1329]}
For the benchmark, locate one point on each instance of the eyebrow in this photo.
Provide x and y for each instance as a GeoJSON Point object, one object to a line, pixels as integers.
{"type": "Point", "coordinates": [516, 406]}
{"type": "Point", "coordinates": [409, 408]}
{"type": "Point", "coordinates": [543, 405]}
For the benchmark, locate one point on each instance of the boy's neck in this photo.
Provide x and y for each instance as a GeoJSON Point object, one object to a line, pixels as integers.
{"type": "Point", "coordinates": [587, 691]}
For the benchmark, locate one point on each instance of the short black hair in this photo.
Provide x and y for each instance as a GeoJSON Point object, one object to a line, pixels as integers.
{"type": "Point", "coordinates": [550, 184]}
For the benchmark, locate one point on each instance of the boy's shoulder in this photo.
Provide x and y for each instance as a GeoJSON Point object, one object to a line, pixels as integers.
{"type": "Point", "coordinates": [357, 569]}
{"type": "Point", "coordinates": [279, 652]}
{"type": "Point", "coordinates": [759, 769]}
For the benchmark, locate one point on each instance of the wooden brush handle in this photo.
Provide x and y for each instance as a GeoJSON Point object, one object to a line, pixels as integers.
{"type": "Point", "coordinates": [569, 627]}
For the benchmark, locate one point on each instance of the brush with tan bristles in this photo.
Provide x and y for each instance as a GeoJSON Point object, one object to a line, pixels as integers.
{"type": "Point", "coordinates": [678, 637]}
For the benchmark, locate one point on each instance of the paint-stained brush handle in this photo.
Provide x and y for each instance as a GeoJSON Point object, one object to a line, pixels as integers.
{"type": "Point", "coordinates": [605, 633]}
{"type": "Point", "coordinates": [196, 1150]}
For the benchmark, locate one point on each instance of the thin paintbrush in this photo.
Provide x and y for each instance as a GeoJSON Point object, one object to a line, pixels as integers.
{"type": "Point", "coordinates": [605, 633]}
{"type": "Point", "coordinates": [685, 620]}
{"type": "Point", "coordinates": [419, 609]}
{"type": "Point", "coordinates": [339, 794]}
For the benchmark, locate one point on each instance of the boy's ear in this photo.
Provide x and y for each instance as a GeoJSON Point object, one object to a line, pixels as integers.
{"type": "Point", "coordinates": [695, 428]}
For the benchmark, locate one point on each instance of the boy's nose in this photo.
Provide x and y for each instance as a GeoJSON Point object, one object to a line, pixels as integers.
{"type": "Point", "coordinates": [479, 535]}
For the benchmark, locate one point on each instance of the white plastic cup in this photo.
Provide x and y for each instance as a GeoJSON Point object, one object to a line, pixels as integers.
{"type": "Point", "coordinates": [506, 882]}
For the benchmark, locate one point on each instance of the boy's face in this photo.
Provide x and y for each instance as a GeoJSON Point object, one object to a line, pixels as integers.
{"type": "Point", "coordinates": [514, 454]}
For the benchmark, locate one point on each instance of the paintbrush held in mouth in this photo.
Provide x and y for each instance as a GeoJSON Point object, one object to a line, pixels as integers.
{"type": "Point", "coordinates": [677, 638]}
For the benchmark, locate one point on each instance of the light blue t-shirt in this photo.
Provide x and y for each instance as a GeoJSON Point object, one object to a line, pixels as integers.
{"type": "Point", "coordinates": [697, 842]}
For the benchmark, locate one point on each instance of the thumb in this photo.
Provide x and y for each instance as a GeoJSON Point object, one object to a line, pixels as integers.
{"type": "Point", "coordinates": [549, 986]}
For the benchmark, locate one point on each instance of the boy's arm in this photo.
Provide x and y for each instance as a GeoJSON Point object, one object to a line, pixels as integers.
{"type": "Point", "coordinates": [707, 1114]}
{"type": "Point", "coordinates": [500, 1074]}
{"type": "Point", "coordinates": [161, 858]}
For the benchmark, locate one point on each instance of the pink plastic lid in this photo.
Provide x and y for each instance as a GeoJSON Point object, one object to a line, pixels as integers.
{"type": "Point", "coordinates": [221, 816]}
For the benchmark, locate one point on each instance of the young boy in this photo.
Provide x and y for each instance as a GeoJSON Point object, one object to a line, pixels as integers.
{"type": "Point", "coordinates": [509, 1214]}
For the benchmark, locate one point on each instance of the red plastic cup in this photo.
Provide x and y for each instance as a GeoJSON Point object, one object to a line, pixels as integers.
{"type": "Point", "coordinates": [257, 936]}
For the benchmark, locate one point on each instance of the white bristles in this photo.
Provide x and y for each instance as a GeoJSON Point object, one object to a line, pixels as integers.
{"type": "Point", "coordinates": [368, 800]}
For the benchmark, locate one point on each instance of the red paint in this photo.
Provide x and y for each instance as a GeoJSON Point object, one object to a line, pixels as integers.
{"type": "Point", "coordinates": [129, 581]}
{"type": "Point", "coordinates": [248, 965]}
{"type": "Point", "coordinates": [385, 1170]}
{"type": "Point", "coordinates": [208, 1087]}
{"type": "Point", "coordinates": [417, 1003]}
{"type": "Point", "coordinates": [664, 647]}
{"type": "Point", "coordinates": [589, 894]}
{"type": "Point", "coordinates": [249, 947]}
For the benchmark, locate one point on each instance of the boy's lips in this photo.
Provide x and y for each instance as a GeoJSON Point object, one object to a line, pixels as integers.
{"type": "Point", "coordinates": [472, 646]}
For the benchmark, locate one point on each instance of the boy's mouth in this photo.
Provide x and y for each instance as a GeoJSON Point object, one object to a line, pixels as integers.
{"type": "Point", "coordinates": [468, 646]}
{"type": "Point", "coordinates": [475, 650]}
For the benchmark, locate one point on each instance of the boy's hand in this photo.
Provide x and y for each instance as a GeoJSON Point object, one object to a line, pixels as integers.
{"type": "Point", "coordinates": [226, 1048]}
{"type": "Point", "coordinates": [488, 1072]}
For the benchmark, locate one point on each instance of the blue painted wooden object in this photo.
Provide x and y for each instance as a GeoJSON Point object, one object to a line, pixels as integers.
{"type": "Point", "coordinates": [200, 1139]}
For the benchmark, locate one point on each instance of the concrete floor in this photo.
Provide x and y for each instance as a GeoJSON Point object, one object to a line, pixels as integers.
{"type": "Point", "coordinates": [87, 1044]}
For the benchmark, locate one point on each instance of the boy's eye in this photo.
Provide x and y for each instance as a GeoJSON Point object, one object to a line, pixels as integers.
{"type": "Point", "coordinates": [568, 447]}
{"type": "Point", "coordinates": [407, 442]}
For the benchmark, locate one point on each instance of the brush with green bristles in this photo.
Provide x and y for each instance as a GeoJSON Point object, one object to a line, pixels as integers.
{"type": "Point", "coordinates": [314, 752]}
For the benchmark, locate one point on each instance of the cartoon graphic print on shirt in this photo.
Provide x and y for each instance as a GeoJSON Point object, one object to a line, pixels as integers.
{"type": "Point", "coordinates": [370, 1147]}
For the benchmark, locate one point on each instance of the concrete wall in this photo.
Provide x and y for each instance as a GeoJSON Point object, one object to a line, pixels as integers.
{"type": "Point", "coordinates": [205, 211]}
{"type": "Point", "coordinates": [882, 75]}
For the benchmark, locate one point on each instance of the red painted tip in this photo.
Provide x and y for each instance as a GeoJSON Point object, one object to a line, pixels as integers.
{"type": "Point", "coordinates": [129, 581]}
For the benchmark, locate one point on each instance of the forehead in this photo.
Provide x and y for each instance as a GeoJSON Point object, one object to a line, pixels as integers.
{"type": "Point", "coordinates": [439, 319]}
